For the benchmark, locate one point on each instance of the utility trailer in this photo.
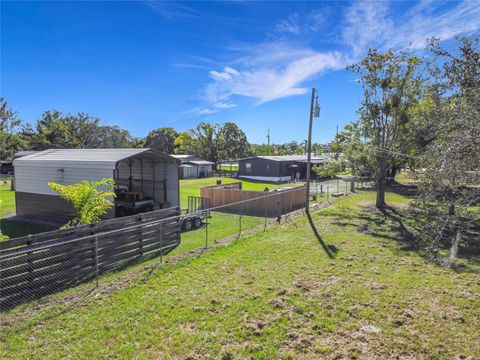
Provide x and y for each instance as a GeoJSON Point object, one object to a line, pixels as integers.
{"type": "Point", "coordinates": [196, 212]}
{"type": "Point", "coordinates": [192, 221]}
{"type": "Point", "coordinates": [125, 208]}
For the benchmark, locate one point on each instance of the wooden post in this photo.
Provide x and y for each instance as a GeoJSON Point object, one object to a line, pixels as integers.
{"type": "Point", "coordinates": [265, 213]}
{"type": "Point", "coordinates": [279, 212]}
{"type": "Point", "coordinates": [140, 235]}
{"type": "Point", "coordinates": [161, 242]}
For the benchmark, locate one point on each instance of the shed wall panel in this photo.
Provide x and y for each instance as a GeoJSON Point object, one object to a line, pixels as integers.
{"type": "Point", "coordinates": [35, 179]}
{"type": "Point", "coordinates": [50, 207]}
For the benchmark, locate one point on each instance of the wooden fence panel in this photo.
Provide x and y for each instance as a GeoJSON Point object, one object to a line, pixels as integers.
{"type": "Point", "coordinates": [85, 230]}
{"type": "Point", "coordinates": [255, 203]}
{"type": "Point", "coordinates": [32, 267]}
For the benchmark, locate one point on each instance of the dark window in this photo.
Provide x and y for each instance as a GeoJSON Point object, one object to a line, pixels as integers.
{"type": "Point", "coordinates": [267, 168]}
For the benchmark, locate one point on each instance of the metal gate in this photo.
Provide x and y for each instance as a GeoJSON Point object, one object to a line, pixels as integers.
{"type": "Point", "coordinates": [198, 204]}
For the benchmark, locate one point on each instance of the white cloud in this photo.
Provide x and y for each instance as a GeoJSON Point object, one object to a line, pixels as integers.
{"type": "Point", "coordinates": [270, 76]}
{"type": "Point", "coordinates": [277, 70]}
{"type": "Point", "coordinates": [299, 24]}
{"type": "Point", "coordinates": [206, 111]}
{"type": "Point", "coordinates": [290, 25]}
{"type": "Point", "coordinates": [375, 24]}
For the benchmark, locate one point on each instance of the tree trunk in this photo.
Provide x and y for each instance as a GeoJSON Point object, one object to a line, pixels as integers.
{"type": "Point", "coordinates": [455, 242]}
{"type": "Point", "coordinates": [380, 200]}
{"type": "Point", "coordinates": [380, 178]}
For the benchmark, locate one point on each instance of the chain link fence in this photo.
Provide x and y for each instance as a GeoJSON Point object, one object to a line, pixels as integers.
{"type": "Point", "coordinates": [31, 269]}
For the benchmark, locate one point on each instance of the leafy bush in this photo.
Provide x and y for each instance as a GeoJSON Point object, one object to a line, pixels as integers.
{"type": "Point", "coordinates": [89, 202]}
{"type": "Point", "coordinates": [330, 169]}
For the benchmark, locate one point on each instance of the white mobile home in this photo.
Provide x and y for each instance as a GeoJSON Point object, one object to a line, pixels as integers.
{"type": "Point", "coordinates": [144, 174]}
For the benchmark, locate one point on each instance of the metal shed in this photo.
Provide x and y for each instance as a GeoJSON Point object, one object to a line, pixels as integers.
{"type": "Point", "coordinates": [145, 172]}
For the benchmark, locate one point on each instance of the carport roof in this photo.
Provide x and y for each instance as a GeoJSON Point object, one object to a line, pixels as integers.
{"type": "Point", "coordinates": [104, 157]}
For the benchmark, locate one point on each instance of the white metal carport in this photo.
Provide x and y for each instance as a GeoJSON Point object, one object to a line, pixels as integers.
{"type": "Point", "coordinates": [144, 170]}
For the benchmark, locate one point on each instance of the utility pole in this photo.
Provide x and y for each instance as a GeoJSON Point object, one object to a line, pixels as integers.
{"type": "Point", "coordinates": [314, 112]}
{"type": "Point", "coordinates": [268, 137]}
{"type": "Point", "coordinates": [314, 109]}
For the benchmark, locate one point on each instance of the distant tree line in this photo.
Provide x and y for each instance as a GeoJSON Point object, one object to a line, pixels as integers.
{"type": "Point", "coordinates": [56, 130]}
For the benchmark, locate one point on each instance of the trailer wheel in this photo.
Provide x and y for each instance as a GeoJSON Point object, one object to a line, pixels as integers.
{"type": "Point", "coordinates": [197, 223]}
{"type": "Point", "coordinates": [187, 224]}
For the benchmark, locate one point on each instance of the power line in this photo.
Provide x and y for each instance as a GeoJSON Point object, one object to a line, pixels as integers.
{"type": "Point", "coordinates": [377, 148]}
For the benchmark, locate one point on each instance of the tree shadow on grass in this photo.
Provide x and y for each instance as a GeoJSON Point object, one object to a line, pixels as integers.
{"type": "Point", "coordinates": [409, 190]}
{"type": "Point", "coordinates": [396, 225]}
{"type": "Point", "coordinates": [388, 224]}
{"type": "Point", "coordinates": [15, 228]}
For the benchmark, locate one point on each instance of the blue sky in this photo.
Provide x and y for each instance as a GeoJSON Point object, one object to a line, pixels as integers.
{"type": "Point", "coordinates": [144, 65]}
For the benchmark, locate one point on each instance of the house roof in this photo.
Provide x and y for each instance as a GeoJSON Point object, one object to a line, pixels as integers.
{"type": "Point", "coordinates": [20, 154]}
{"type": "Point", "coordinates": [88, 157]}
{"type": "Point", "coordinates": [200, 162]}
{"type": "Point", "coordinates": [182, 156]}
{"type": "Point", "coordinates": [296, 158]}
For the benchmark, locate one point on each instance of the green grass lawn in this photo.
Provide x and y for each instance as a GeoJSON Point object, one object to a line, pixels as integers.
{"type": "Point", "coordinates": [7, 199]}
{"type": "Point", "coordinates": [228, 167]}
{"type": "Point", "coordinates": [14, 228]}
{"type": "Point", "coordinates": [405, 177]}
{"type": "Point", "coordinates": [273, 294]}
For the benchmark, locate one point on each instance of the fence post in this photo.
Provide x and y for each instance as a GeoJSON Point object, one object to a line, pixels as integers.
{"type": "Point", "coordinates": [206, 232]}
{"type": "Point", "coordinates": [265, 213]}
{"type": "Point", "coordinates": [240, 213]}
{"type": "Point", "coordinates": [30, 270]}
{"type": "Point", "coordinates": [161, 242]}
{"type": "Point", "coordinates": [140, 240]}
{"type": "Point", "coordinates": [279, 212]}
{"type": "Point", "coordinates": [96, 258]}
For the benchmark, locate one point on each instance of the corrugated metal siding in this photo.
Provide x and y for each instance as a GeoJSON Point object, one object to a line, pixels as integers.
{"type": "Point", "coordinates": [33, 179]}
{"type": "Point", "coordinates": [173, 191]}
